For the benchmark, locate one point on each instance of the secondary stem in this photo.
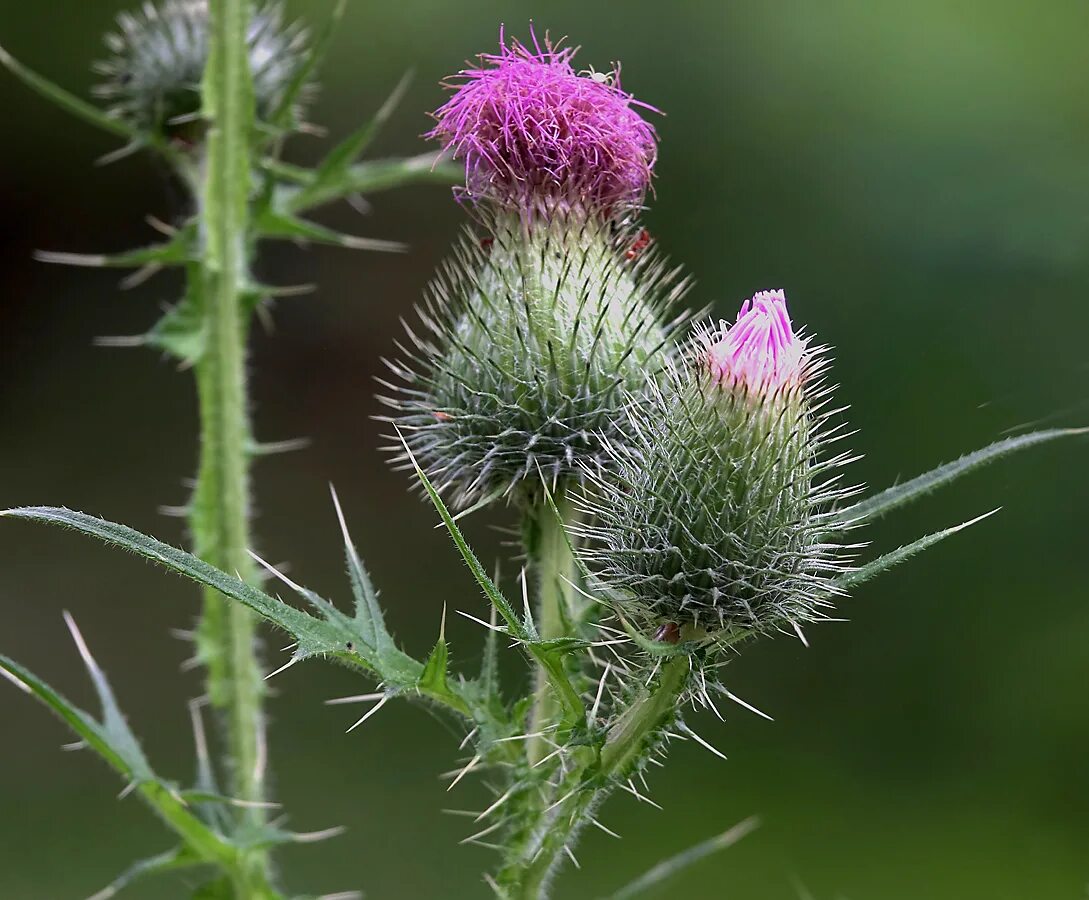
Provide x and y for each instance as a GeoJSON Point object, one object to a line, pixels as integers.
{"type": "Point", "coordinates": [627, 743]}
{"type": "Point", "coordinates": [552, 564]}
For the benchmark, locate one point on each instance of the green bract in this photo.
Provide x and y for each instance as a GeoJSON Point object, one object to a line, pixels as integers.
{"type": "Point", "coordinates": [530, 342]}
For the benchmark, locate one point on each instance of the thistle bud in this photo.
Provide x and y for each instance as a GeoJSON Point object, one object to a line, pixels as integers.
{"type": "Point", "coordinates": [158, 57]}
{"type": "Point", "coordinates": [536, 332]}
{"type": "Point", "coordinates": [712, 520]}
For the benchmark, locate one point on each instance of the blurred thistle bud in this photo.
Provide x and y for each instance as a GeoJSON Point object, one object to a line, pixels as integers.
{"type": "Point", "coordinates": [153, 77]}
{"type": "Point", "coordinates": [535, 334]}
{"type": "Point", "coordinates": [713, 520]}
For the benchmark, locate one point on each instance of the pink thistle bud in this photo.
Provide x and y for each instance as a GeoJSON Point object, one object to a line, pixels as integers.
{"type": "Point", "coordinates": [760, 351]}
{"type": "Point", "coordinates": [538, 136]}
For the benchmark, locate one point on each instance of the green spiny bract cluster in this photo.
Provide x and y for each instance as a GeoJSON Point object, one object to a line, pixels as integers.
{"type": "Point", "coordinates": [153, 78]}
{"type": "Point", "coordinates": [532, 341]}
{"type": "Point", "coordinates": [713, 514]}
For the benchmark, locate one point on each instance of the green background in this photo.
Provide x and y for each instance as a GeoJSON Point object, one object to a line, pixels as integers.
{"type": "Point", "coordinates": [915, 175]}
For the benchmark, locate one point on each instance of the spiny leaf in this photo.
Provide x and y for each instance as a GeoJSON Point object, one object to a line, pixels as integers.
{"type": "Point", "coordinates": [901, 494]}
{"type": "Point", "coordinates": [364, 178]}
{"type": "Point", "coordinates": [177, 251]}
{"type": "Point", "coordinates": [333, 169]}
{"type": "Point", "coordinates": [183, 330]}
{"type": "Point", "coordinates": [67, 101]}
{"type": "Point", "coordinates": [674, 865]}
{"type": "Point", "coordinates": [272, 224]}
{"type": "Point", "coordinates": [876, 567]}
{"type": "Point", "coordinates": [549, 658]}
{"type": "Point", "coordinates": [281, 117]}
{"type": "Point", "coordinates": [315, 636]}
{"type": "Point", "coordinates": [434, 674]}
{"type": "Point", "coordinates": [368, 612]}
{"type": "Point", "coordinates": [333, 635]}
{"type": "Point", "coordinates": [179, 858]}
{"type": "Point", "coordinates": [112, 740]}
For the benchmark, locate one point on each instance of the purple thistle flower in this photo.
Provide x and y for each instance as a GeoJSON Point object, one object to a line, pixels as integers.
{"type": "Point", "coordinates": [760, 351]}
{"type": "Point", "coordinates": [538, 136]}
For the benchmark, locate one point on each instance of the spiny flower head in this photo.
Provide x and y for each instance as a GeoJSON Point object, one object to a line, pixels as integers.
{"type": "Point", "coordinates": [536, 135]}
{"type": "Point", "coordinates": [526, 353]}
{"type": "Point", "coordinates": [713, 516]}
{"type": "Point", "coordinates": [159, 53]}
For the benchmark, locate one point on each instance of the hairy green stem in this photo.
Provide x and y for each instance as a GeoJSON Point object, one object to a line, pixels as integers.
{"type": "Point", "coordinates": [552, 564]}
{"type": "Point", "coordinates": [592, 780]}
{"type": "Point", "coordinates": [220, 512]}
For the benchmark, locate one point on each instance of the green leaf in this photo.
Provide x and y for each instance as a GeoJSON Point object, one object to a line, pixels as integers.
{"type": "Point", "coordinates": [368, 612]}
{"type": "Point", "coordinates": [183, 330]}
{"type": "Point", "coordinates": [674, 865]}
{"type": "Point", "coordinates": [281, 117]}
{"type": "Point", "coordinates": [550, 658]}
{"type": "Point", "coordinates": [361, 641]}
{"type": "Point", "coordinates": [69, 102]}
{"type": "Point", "coordinates": [364, 178]}
{"type": "Point", "coordinates": [170, 861]}
{"type": "Point", "coordinates": [879, 565]}
{"type": "Point", "coordinates": [272, 224]}
{"type": "Point", "coordinates": [333, 169]}
{"type": "Point", "coordinates": [113, 740]}
{"type": "Point", "coordinates": [315, 636]}
{"type": "Point", "coordinates": [901, 494]}
{"type": "Point", "coordinates": [434, 678]}
{"type": "Point", "coordinates": [175, 252]}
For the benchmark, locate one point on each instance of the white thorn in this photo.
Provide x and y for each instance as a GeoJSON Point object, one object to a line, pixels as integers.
{"type": "Point", "coordinates": [545, 759]}
{"type": "Point", "coordinates": [474, 837]}
{"type": "Point", "coordinates": [16, 680]}
{"type": "Point", "coordinates": [503, 799]}
{"type": "Point", "coordinates": [81, 645]}
{"type": "Point", "coordinates": [371, 712]}
{"type": "Point", "coordinates": [571, 856]}
{"type": "Point", "coordinates": [272, 570]}
{"type": "Point", "coordinates": [199, 737]}
{"type": "Point", "coordinates": [357, 698]}
{"type": "Point", "coordinates": [608, 831]}
{"type": "Point", "coordinates": [312, 837]}
{"type": "Point", "coordinates": [600, 691]}
{"type": "Point", "coordinates": [472, 765]}
{"type": "Point", "coordinates": [260, 760]}
{"type": "Point", "coordinates": [701, 741]}
{"type": "Point", "coordinates": [501, 629]}
{"type": "Point", "coordinates": [801, 635]}
{"type": "Point", "coordinates": [465, 740]}
{"type": "Point", "coordinates": [522, 737]}
{"type": "Point", "coordinates": [562, 799]}
{"type": "Point", "coordinates": [747, 706]}
{"type": "Point", "coordinates": [282, 668]}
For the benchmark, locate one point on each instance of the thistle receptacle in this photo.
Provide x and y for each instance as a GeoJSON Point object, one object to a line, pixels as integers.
{"type": "Point", "coordinates": [536, 330]}
{"type": "Point", "coordinates": [714, 514]}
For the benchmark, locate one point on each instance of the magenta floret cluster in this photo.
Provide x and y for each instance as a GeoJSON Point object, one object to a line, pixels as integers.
{"type": "Point", "coordinates": [537, 135]}
{"type": "Point", "coordinates": [760, 351]}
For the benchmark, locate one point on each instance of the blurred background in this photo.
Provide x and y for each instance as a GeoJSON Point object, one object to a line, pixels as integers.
{"type": "Point", "coordinates": [916, 176]}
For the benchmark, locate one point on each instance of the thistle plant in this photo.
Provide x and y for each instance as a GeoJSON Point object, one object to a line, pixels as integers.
{"type": "Point", "coordinates": [679, 494]}
{"type": "Point", "coordinates": [216, 89]}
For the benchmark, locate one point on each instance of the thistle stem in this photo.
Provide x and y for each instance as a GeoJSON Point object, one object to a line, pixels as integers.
{"type": "Point", "coordinates": [626, 745]}
{"type": "Point", "coordinates": [220, 511]}
{"type": "Point", "coordinates": [552, 564]}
